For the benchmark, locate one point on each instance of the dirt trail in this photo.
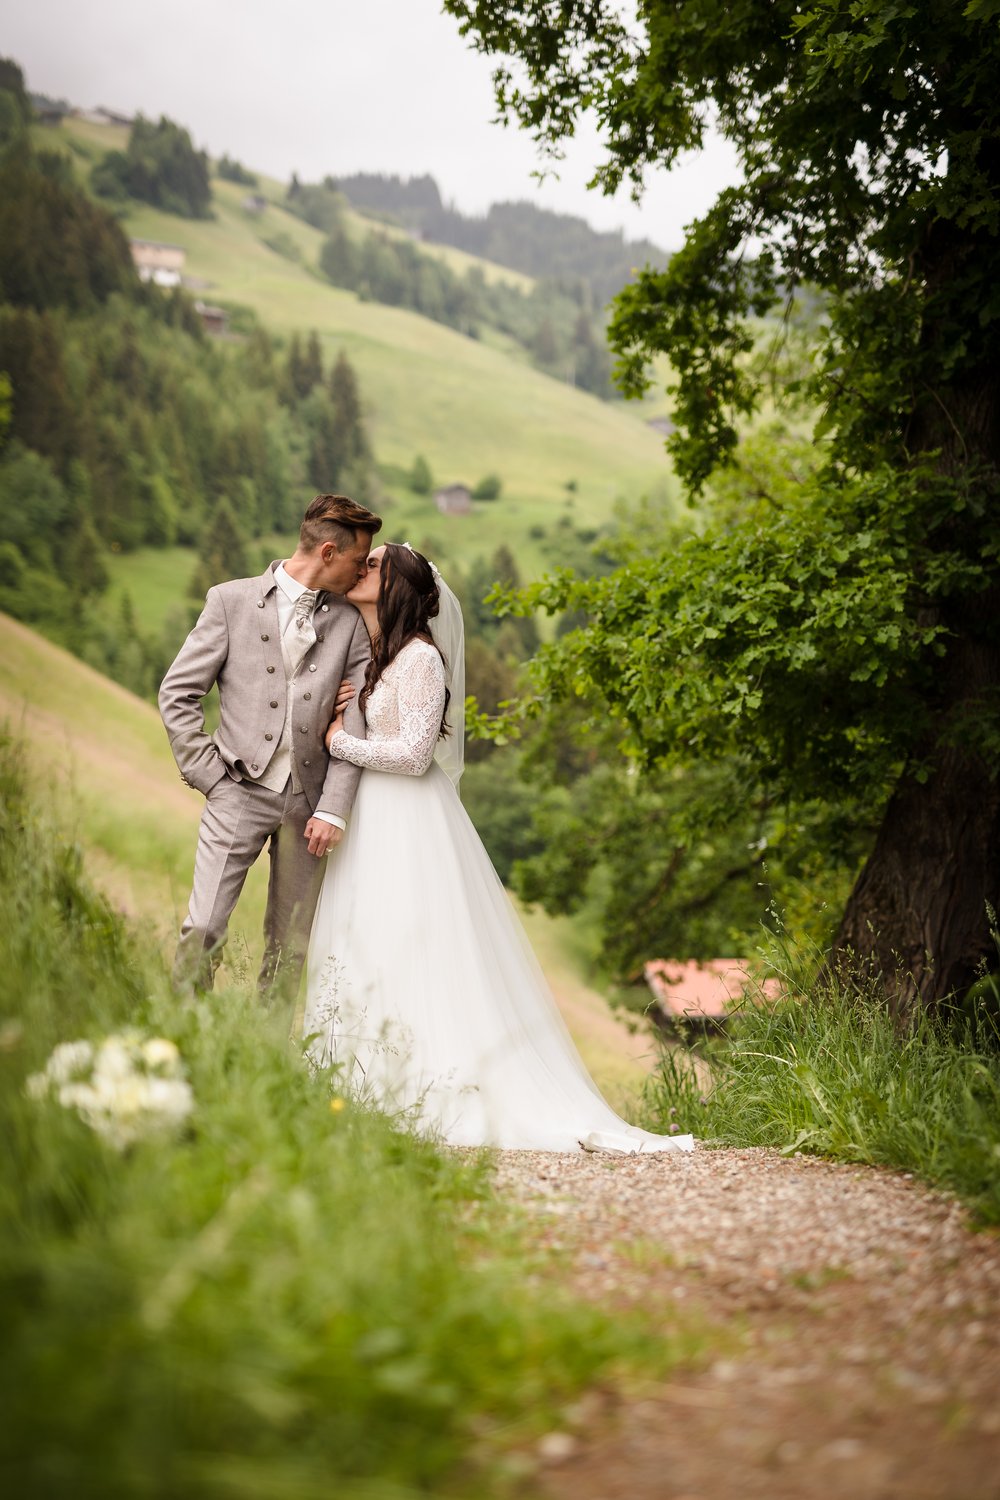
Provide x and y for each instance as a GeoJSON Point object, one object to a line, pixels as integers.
{"type": "Point", "coordinates": [856, 1318]}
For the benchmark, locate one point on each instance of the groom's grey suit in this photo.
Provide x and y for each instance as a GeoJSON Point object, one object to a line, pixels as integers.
{"type": "Point", "coordinates": [264, 702]}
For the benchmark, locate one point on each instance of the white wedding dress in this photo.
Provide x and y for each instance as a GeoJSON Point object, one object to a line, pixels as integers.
{"type": "Point", "coordinates": [423, 991]}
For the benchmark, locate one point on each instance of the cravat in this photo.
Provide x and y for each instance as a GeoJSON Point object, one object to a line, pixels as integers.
{"type": "Point", "coordinates": [302, 634]}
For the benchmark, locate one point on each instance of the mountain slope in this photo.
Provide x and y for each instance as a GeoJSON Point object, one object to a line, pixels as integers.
{"type": "Point", "coordinates": [470, 407]}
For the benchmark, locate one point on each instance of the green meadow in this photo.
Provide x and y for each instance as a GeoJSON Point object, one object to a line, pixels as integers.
{"type": "Point", "coordinates": [469, 406]}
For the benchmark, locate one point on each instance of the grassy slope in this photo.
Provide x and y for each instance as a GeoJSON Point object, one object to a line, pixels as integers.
{"type": "Point", "coordinates": [470, 407]}
{"type": "Point", "coordinates": [102, 755]}
{"type": "Point", "coordinates": [466, 405]}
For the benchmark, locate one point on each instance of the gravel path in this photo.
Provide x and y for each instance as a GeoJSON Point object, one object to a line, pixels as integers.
{"type": "Point", "coordinates": [855, 1317]}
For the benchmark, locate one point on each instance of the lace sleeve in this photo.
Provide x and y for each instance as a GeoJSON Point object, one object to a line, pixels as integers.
{"type": "Point", "coordinates": [419, 684]}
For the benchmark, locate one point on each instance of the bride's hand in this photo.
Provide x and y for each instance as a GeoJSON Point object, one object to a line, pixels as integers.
{"type": "Point", "coordinates": [344, 695]}
{"type": "Point", "coordinates": [336, 724]}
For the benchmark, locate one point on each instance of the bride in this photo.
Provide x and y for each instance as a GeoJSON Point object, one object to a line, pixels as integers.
{"type": "Point", "coordinates": [423, 991]}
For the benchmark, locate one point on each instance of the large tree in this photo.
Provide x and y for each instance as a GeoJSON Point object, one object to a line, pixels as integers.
{"type": "Point", "coordinates": [852, 631]}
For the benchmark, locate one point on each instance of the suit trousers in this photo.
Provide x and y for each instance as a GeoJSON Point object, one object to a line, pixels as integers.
{"type": "Point", "coordinates": [238, 819]}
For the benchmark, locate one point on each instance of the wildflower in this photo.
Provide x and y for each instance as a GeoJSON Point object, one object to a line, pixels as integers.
{"type": "Point", "coordinates": [125, 1088]}
{"type": "Point", "coordinates": [160, 1053]}
{"type": "Point", "coordinates": [336, 1105]}
{"type": "Point", "coordinates": [674, 1129]}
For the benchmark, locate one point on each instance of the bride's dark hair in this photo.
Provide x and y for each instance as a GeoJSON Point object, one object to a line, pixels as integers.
{"type": "Point", "coordinates": [408, 600]}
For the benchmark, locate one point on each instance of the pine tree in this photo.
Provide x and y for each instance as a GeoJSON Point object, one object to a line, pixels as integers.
{"type": "Point", "coordinates": [312, 363]}
{"type": "Point", "coordinates": [345, 399]}
{"type": "Point", "coordinates": [223, 551]}
{"type": "Point", "coordinates": [421, 481]}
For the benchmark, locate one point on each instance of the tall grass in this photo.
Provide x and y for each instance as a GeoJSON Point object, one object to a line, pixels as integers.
{"type": "Point", "coordinates": [291, 1299]}
{"type": "Point", "coordinates": [826, 1071]}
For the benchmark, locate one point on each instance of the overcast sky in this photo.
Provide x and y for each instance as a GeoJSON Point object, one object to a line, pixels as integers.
{"type": "Point", "coordinates": [331, 86]}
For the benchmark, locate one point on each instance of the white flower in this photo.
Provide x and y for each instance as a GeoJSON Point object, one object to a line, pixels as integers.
{"type": "Point", "coordinates": [69, 1058]}
{"type": "Point", "coordinates": [160, 1053]}
{"type": "Point", "coordinates": [126, 1094]}
{"type": "Point", "coordinates": [113, 1060]}
{"type": "Point", "coordinates": [36, 1085]}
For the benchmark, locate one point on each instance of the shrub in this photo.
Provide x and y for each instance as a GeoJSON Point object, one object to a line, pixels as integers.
{"type": "Point", "coordinates": [488, 488]}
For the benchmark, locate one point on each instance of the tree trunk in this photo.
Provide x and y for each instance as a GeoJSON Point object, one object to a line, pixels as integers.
{"type": "Point", "coordinates": [917, 917]}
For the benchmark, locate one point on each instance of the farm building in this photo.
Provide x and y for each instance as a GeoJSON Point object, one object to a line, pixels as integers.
{"type": "Point", "coordinates": [157, 262]}
{"type": "Point", "coordinates": [454, 500]}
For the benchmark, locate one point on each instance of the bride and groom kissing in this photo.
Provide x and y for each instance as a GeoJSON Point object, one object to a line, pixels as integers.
{"type": "Point", "coordinates": [340, 675]}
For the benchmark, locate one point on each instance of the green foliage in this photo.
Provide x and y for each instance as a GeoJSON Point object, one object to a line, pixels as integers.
{"type": "Point", "coordinates": [289, 1297]}
{"type": "Point", "coordinates": [339, 453]}
{"type": "Point", "coordinates": [57, 248]}
{"type": "Point", "coordinates": [535, 241]}
{"type": "Point", "coordinates": [319, 204]}
{"type": "Point", "coordinates": [556, 322]}
{"type": "Point", "coordinates": [827, 1072]}
{"type": "Point", "coordinates": [161, 167]}
{"type": "Point", "coordinates": [15, 106]}
{"type": "Point", "coordinates": [223, 551]}
{"type": "Point", "coordinates": [503, 807]}
{"type": "Point", "coordinates": [231, 170]}
{"type": "Point", "coordinates": [303, 368]}
{"type": "Point", "coordinates": [128, 427]}
{"type": "Point", "coordinates": [44, 415]}
{"type": "Point", "coordinates": [420, 479]}
{"type": "Point", "coordinates": [790, 637]}
{"type": "Point", "coordinates": [488, 488]}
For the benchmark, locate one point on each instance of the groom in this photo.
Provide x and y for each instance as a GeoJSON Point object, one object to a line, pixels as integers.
{"type": "Point", "coordinates": [278, 648]}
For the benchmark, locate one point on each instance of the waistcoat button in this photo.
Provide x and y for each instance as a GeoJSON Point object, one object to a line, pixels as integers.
{"type": "Point", "coordinates": [255, 768]}
{"type": "Point", "coordinates": [270, 669]}
{"type": "Point", "coordinates": [302, 729]}
{"type": "Point", "coordinates": [307, 696]}
{"type": "Point", "coordinates": [274, 702]}
{"type": "Point", "coordinates": [312, 667]}
{"type": "Point", "coordinates": [260, 604]}
{"type": "Point", "coordinates": [269, 736]}
{"type": "Point", "coordinates": [265, 637]}
{"type": "Point", "coordinates": [306, 762]}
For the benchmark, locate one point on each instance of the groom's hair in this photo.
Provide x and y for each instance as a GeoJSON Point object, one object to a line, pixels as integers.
{"type": "Point", "coordinates": [335, 518]}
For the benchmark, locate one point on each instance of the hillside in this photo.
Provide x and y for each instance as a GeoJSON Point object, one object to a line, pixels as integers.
{"type": "Point", "coordinates": [533, 240]}
{"type": "Point", "coordinates": [469, 406]}
{"type": "Point", "coordinates": [102, 757]}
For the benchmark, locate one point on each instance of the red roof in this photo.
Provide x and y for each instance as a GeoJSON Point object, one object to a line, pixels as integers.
{"type": "Point", "coordinates": [706, 988]}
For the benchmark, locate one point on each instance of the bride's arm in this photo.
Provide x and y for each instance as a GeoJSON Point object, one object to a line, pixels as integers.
{"type": "Point", "coordinates": [419, 684]}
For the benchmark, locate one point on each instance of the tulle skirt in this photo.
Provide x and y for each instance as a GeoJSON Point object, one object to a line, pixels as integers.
{"type": "Point", "coordinates": [423, 991]}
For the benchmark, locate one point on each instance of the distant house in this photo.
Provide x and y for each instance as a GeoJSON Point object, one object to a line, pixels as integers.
{"type": "Point", "coordinates": [701, 992]}
{"type": "Point", "coordinates": [253, 203]}
{"type": "Point", "coordinates": [454, 500]}
{"type": "Point", "coordinates": [49, 111]}
{"type": "Point", "coordinates": [213, 318]}
{"type": "Point", "coordinates": [103, 116]}
{"type": "Point", "coordinates": [159, 263]}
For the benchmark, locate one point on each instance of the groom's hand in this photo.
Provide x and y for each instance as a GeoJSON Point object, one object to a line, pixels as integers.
{"type": "Point", "coordinates": [322, 836]}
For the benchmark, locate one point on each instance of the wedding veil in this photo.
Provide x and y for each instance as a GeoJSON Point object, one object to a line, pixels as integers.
{"type": "Point", "coordinates": [448, 634]}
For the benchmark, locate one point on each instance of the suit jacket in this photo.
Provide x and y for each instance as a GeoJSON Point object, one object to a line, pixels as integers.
{"type": "Point", "coordinates": [237, 644]}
